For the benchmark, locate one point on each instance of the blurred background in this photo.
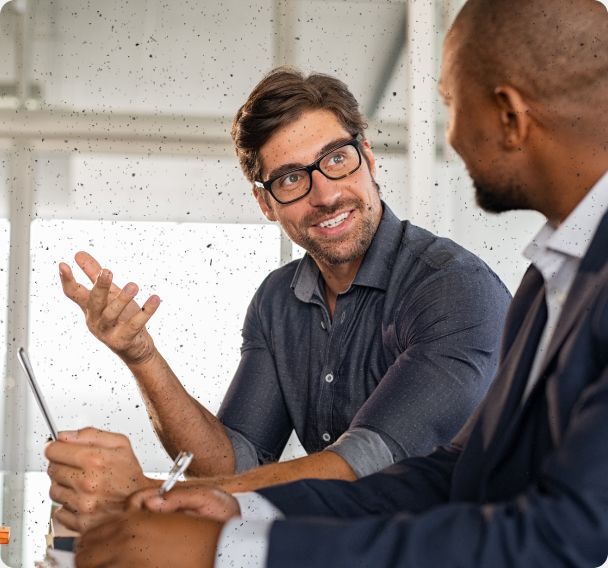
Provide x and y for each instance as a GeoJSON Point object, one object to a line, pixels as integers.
{"type": "Point", "coordinates": [114, 138]}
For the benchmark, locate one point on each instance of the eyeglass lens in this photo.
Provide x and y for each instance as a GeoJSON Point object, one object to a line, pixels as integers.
{"type": "Point", "coordinates": [335, 165]}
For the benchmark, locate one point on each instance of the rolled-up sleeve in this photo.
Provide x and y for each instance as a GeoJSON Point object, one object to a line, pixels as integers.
{"type": "Point", "coordinates": [364, 451]}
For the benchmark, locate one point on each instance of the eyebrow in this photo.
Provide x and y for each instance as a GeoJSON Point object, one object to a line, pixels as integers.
{"type": "Point", "coordinates": [285, 168]}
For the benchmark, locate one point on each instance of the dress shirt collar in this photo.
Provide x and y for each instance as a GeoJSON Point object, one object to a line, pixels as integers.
{"type": "Point", "coordinates": [375, 269]}
{"type": "Point", "coordinates": [573, 237]}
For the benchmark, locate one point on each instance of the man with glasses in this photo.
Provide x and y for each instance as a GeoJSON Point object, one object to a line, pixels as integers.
{"type": "Point", "coordinates": [375, 346]}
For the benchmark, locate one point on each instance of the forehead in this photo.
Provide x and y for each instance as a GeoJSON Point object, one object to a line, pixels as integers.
{"type": "Point", "coordinates": [300, 141]}
{"type": "Point", "coordinates": [449, 65]}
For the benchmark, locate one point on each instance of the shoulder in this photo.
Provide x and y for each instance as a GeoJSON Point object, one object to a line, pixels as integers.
{"type": "Point", "coordinates": [428, 259]}
{"type": "Point", "coordinates": [276, 287]}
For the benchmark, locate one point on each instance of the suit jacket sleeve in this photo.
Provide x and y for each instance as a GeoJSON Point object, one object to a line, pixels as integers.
{"type": "Point", "coordinates": [560, 520]}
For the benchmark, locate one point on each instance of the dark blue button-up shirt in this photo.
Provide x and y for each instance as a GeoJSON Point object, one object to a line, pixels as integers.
{"type": "Point", "coordinates": [410, 351]}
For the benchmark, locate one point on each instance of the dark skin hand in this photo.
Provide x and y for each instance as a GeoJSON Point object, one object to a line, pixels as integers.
{"type": "Point", "coordinates": [151, 540]}
{"type": "Point", "coordinates": [201, 500]}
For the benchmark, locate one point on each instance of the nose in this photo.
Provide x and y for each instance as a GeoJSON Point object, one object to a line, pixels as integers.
{"type": "Point", "coordinates": [324, 192]}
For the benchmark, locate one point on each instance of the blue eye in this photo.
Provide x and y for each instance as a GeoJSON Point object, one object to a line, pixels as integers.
{"type": "Point", "coordinates": [292, 179]}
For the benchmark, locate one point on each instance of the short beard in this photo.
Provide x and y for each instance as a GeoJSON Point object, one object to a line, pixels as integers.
{"type": "Point", "coordinates": [327, 253]}
{"type": "Point", "coordinates": [497, 198]}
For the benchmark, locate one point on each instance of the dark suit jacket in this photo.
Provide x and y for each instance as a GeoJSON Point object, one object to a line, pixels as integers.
{"type": "Point", "coordinates": [521, 485]}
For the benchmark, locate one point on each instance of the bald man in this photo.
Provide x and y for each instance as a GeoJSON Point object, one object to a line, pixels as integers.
{"type": "Point", "coordinates": [525, 483]}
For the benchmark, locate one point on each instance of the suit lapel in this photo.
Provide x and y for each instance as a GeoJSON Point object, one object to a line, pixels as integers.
{"type": "Point", "coordinates": [586, 284]}
{"type": "Point", "coordinates": [526, 320]}
{"type": "Point", "coordinates": [591, 276]}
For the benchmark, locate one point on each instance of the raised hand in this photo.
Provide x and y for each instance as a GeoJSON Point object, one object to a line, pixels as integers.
{"type": "Point", "coordinates": [111, 313]}
{"type": "Point", "coordinates": [195, 497]}
{"type": "Point", "coordinates": [92, 473]}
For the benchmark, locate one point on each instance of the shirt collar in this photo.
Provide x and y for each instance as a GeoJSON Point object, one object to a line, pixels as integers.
{"type": "Point", "coordinates": [375, 269]}
{"type": "Point", "coordinates": [573, 237]}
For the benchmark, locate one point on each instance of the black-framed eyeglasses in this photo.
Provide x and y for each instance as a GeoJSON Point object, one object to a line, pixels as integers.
{"type": "Point", "coordinates": [337, 163]}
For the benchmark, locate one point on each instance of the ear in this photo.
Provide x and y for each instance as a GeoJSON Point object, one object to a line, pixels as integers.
{"type": "Point", "coordinates": [369, 156]}
{"type": "Point", "coordinates": [264, 203]}
{"type": "Point", "coordinates": [515, 116]}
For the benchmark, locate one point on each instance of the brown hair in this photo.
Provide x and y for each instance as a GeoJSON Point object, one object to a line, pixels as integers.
{"type": "Point", "coordinates": [280, 98]}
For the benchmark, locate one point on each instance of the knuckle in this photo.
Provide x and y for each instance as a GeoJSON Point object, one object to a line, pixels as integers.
{"type": "Point", "coordinates": [88, 431]}
{"type": "Point", "coordinates": [88, 506]}
{"type": "Point", "coordinates": [94, 462]}
{"type": "Point", "coordinates": [134, 325]}
{"type": "Point", "coordinates": [88, 486]}
{"type": "Point", "coordinates": [55, 493]}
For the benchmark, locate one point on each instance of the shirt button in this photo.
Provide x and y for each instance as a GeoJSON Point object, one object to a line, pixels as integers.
{"type": "Point", "coordinates": [326, 437]}
{"type": "Point", "coordinates": [329, 378]}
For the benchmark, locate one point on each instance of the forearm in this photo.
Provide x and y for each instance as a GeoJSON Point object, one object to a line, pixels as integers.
{"type": "Point", "coordinates": [180, 421]}
{"type": "Point", "coordinates": [323, 465]}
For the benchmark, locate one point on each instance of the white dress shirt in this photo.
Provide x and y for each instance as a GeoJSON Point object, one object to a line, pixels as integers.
{"type": "Point", "coordinates": [557, 254]}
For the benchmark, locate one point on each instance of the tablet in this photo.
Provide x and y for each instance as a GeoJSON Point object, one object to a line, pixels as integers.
{"type": "Point", "coordinates": [27, 367]}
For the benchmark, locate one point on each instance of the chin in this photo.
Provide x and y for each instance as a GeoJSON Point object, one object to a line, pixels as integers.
{"type": "Point", "coordinates": [498, 198]}
{"type": "Point", "coordinates": [335, 256]}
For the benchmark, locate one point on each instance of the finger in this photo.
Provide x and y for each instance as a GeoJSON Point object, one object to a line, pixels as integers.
{"type": "Point", "coordinates": [135, 502]}
{"type": "Point", "coordinates": [62, 454]}
{"type": "Point", "coordinates": [113, 310]}
{"type": "Point", "coordinates": [88, 265]}
{"type": "Point", "coordinates": [172, 503]}
{"type": "Point", "coordinates": [72, 289]}
{"type": "Point", "coordinates": [76, 453]}
{"type": "Point", "coordinates": [67, 518]}
{"type": "Point", "coordinates": [62, 473]}
{"type": "Point", "coordinates": [93, 437]}
{"type": "Point", "coordinates": [98, 298]}
{"type": "Point", "coordinates": [140, 319]}
{"type": "Point", "coordinates": [65, 496]}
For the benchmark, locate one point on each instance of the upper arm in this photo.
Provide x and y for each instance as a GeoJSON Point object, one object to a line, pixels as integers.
{"type": "Point", "coordinates": [448, 330]}
{"type": "Point", "coordinates": [254, 406]}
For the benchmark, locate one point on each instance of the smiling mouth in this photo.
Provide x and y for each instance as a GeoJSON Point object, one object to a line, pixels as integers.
{"type": "Point", "coordinates": [335, 221]}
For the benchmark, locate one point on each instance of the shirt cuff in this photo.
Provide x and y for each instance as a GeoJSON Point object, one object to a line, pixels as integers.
{"type": "Point", "coordinates": [245, 454]}
{"type": "Point", "coordinates": [254, 507]}
{"type": "Point", "coordinates": [364, 450]}
{"type": "Point", "coordinates": [243, 543]}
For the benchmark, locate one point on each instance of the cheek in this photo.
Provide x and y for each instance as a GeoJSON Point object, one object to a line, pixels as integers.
{"type": "Point", "coordinates": [464, 135]}
{"type": "Point", "coordinates": [452, 134]}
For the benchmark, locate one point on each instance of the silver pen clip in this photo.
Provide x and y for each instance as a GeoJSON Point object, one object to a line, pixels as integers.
{"type": "Point", "coordinates": [180, 465]}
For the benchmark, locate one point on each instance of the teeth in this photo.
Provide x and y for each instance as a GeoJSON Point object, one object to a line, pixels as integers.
{"type": "Point", "coordinates": [333, 222]}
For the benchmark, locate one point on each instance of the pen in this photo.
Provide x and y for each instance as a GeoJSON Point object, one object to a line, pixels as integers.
{"type": "Point", "coordinates": [181, 463]}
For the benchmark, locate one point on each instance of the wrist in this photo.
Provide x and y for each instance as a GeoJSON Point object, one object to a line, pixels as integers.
{"type": "Point", "coordinates": [147, 356]}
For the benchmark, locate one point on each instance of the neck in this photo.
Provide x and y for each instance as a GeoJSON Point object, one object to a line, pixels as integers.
{"type": "Point", "coordinates": [338, 279]}
{"type": "Point", "coordinates": [569, 195]}
{"type": "Point", "coordinates": [568, 176]}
